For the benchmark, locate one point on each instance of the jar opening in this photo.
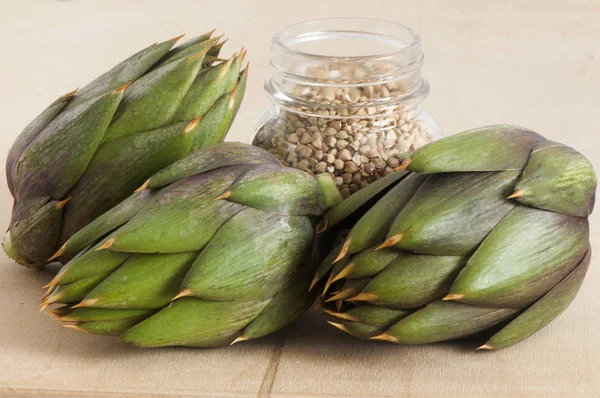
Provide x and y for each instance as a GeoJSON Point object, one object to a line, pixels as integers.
{"type": "Point", "coordinates": [340, 63]}
{"type": "Point", "coordinates": [347, 38]}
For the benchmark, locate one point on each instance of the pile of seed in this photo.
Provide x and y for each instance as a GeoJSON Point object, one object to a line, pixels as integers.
{"type": "Point", "coordinates": [344, 134]}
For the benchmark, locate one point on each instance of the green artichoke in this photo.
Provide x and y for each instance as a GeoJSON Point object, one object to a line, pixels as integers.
{"type": "Point", "coordinates": [488, 234]}
{"type": "Point", "coordinates": [214, 249]}
{"type": "Point", "coordinates": [92, 147]}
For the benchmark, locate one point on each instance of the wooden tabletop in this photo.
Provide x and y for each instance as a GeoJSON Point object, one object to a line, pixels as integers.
{"type": "Point", "coordinates": [533, 63]}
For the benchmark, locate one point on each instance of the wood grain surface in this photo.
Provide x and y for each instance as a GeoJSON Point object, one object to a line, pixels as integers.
{"type": "Point", "coordinates": [533, 63]}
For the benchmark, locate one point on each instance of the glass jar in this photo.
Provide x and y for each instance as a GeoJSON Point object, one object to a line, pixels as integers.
{"type": "Point", "coordinates": [346, 98]}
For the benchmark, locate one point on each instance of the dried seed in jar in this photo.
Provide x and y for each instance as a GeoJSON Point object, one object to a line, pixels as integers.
{"type": "Point", "coordinates": [338, 181]}
{"type": "Point", "coordinates": [379, 163]}
{"type": "Point", "coordinates": [304, 151]}
{"type": "Point", "coordinates": [356, 178]}
{"type": "Point", "coordinates": [330, 141]}
{"type": "Point", "coordinates": [330, 131]}
{"type": "Point", "coordinates": [292, 138]}
{"type": "Point", "coordinates": [345, 155]}
{"type": "Point", "coordinates": [336, 125]}
{"type": "Point", "coordinates": [306, 138]}
{"type": "Point", "coordinates": [357, 160]}
{"type": "Point", "coordinates": [329, 158]}
{"type": "Point", "coordinates": [318, 155]}
{"type": "Point", "coordinates": [350, 167]}
{"type": "Point", "coordinates": [321, 167]}
{"type": "Point", "coordinates": [292, 157]}
{"type": "Point", "coordinates": [393, 162]}
{"type": "Point", "coordinates": [345, 192]}
{"type": "Point", "coordinates": [341, 144]}
{"type": "Point", "coordinates": [338, 164]}
{"type": "Point", "coordinates": [341, 135]}
{"type": "Point", "coordinates": [303, 164]}
{"type": "Point", "coordinates": [347, 178]}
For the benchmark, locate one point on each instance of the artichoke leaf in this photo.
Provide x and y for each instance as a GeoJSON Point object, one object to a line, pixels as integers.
{"type": "Point", "coordinates": [210, 85]}
{"type": "Point", "coordinates": [543, 311]}
{"type": "Point", "coordinates": [559, 179]}
{"type": "Point", "coordinates": [525, 256]}
{"type": "Point", "coordinates": [375, 224]}
{"type": "Point", "coordinates": [143, 282]}
{"type": "Point", "coordinates": [35, 229]}
{"type": "Point", "coordinates": [271, 188]}
{"type": "Point", "coordinates": [452, 213]}
{"type": "Point", "coordinates": [107, 222]}
{"type": "Point", "coordinates": [356, 201]}
{"type": "Point", "coordinates": [181, 217]}
{"type": "Point", "coordinates": [442, 320]}
{"type": "Point", "coordinates": [56, 159]}
{"type": "Point", "coordinates": [223, 155]}
{"type": "Point", "coordinates": [29, 134]}
{"type": "Point", "coordinates": [194, 322]}
{"type": "Point", "coordinates": [250, 257]}
{"type": "Point", "coordinates": [492, 148]}
{"type": "Point", "coordinates": [152, 100]}
{"type": "Point", "coordinates": [119, 167]}
{"type": "Point", "coordinates": [414, 280]}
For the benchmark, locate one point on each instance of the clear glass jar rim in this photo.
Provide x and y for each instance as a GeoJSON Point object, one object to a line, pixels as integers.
{"type": "Point", "coordinates": [279, 42]}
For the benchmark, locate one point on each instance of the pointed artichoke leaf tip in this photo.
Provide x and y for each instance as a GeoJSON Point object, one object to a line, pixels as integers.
{"type": "Point", "coordinates": [314, 282]}
{"type": "Point", "coordinates": [344, 250]}
{"type": "Point", "coordinates": [344, 272]}
{"type": "Point", "coordinates": [453, 297]}
{"type": "Point", "coordinates": [75, 327]}
{"type": "Point", "coordinates": [323, 228]}
{"type": "Point", "coordinates": [152, 45]}
{"type": "Point", "coordinates": [327, 285]}
{"type": "Point", "coordinates": [193, 124]}
{"type": "Point", "coordinates": [85, 303]}
{"type": "Point", "coordinates": [340, 315]}
{"type": "Point", "coordinates": [70, 94]}
{"type": "Point", "coordinates": [220, 43]}
{"type": "Point", "coordinates": [51, 299]}
{"type": "Point", "coordinates": [226, 66]}
{"type": "Point", "coordinates": [389, 242]}
{"type": "Point", "coordinates": [210, 32]}
{"type": "Point", "coordinates": [55, 256]}
{"type": "Point", "coordinates": [107, 244]}
{"type": "Point", "coordinates": [363, 297]}
{"type": "Point", "coordinates": [183, 293]}
{"type": "Point", "coordinates": [404, 165]}
{"type": "Point", "coordinates": [340, 326]}
{"type": "Point", "coordinates": [485, 347]}
{"type": "Point", "coordinates": [43, 306]}
{"type": "Point", "coordinates": [224, 196]}
{"type": "Point", "coordinates": [121, 89]}
{"type": "Point", "coordinates": [242, 55]}
{"type": "Point", "coordinates": [341, 295]}
{"type": "Point", "coordinates": [517, 195]}
{"type": "Point", "coordinates": [201, 53]}
{"type": "Point", "coordinates": [176, 39]}
{"type": "Point", "coordinates": [210, 58]}
{"type": "Point", "coordinates": [144, 185]}
{"type": "Point", "coordinates": [62, 203]}
{"type": "Point", "coordinates": [385, 337]}
{"type": "Point", "coordinates": [239, 340]}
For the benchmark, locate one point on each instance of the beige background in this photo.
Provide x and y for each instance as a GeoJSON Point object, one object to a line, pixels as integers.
{"type": "Point", "coordinates": [531, 63]}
